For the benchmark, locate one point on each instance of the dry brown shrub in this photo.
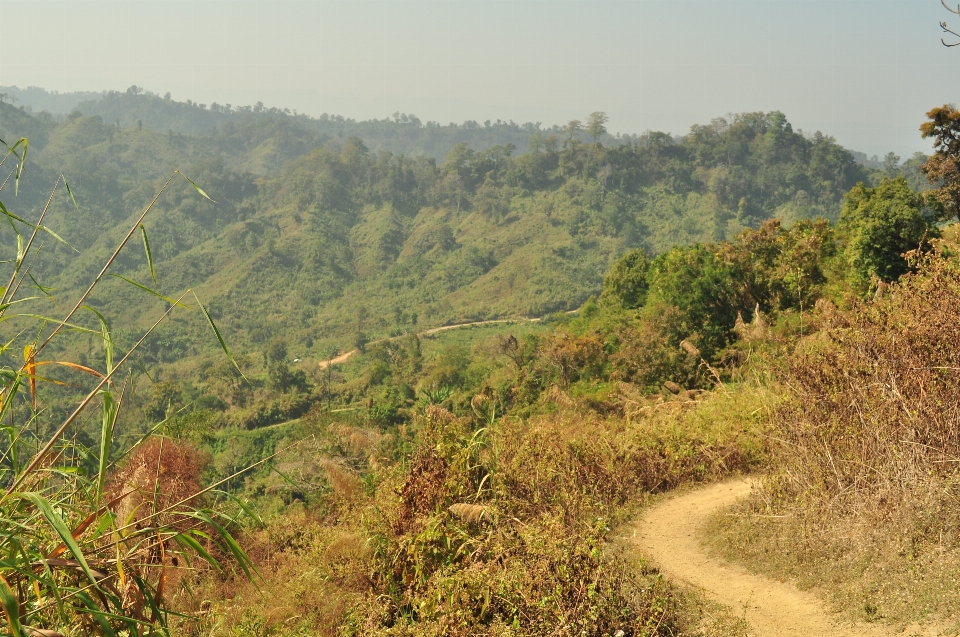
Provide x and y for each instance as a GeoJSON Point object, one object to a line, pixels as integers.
{"type": "Point", "coordinates": [568, 357]}
{"type": "Point", "coordinates": [345, 482]}
{"type": "Point", "coordinates": [423, 488]}
{"type": "Point", "coordinates": [313, 575]}
{"type": "Point", "coordinates": [875, 397]}
{"type": "Point", "coordinates": [868, 450]}
{"type": "Point", "coordinates": [160, 472]}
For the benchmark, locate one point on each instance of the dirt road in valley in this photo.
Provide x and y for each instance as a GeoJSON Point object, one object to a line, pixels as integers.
{"type": "Point", "coordinates": [343, 358]}
{"type": "Point", "coordinates": [670, 533]}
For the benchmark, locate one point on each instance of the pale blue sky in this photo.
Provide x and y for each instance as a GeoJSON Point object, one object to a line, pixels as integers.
{"type": "Point", "coordinates": [864, 72]}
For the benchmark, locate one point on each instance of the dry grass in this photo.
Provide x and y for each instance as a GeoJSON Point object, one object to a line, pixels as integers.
{"type": "Point", "coordinates": [864, 504]}
{"type": "Point", "coordinates": [497, 531]}
{"type": "Point", "coordinates": [897, 564]}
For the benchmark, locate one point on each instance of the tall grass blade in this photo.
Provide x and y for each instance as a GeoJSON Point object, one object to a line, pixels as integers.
{"type": "Point", "coordinates": [70, 192]}
{"type": "Point", "coordinates": [98, 615]}
{"type": "Point", "coordinates": [53, 518]}
{"type": "Point", "coordinates": [192, 183]}
{"type": "Point", "coordinates": [216, 330]}
{"type": "Point", "coordinates": [107, 339]}
{"type": "Point", "coordinates": [11, 607]}
{"type": "Point", "coordinates": [146, 248]}
{"type": "Point", "coordinates": [106, 438]}
{"type": "Point", "coordinates": [146, 289]}
{"type": "Point", "coordinates": [83, 526]}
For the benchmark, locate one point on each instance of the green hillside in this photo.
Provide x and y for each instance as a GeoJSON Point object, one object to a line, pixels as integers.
{"type": "Point", "coordinates": [317, 239]}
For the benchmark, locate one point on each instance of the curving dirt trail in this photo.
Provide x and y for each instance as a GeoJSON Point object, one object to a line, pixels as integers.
{"type": "Point", "coordinates": [670, 534]}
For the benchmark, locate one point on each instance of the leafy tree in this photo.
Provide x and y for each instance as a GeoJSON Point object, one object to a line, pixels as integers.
{"type": "Point", "coordinates": [277, 350]}
{"type": "Point", "coordinates": [878, 225]}
{"type": "Point", "coordinates": [891, 165]}
{"type": "Point", "coordinates": [167, 398]}
{"type": "Point", "coordinates": [705, 286]}
{"type": "Point", "coordinates": [626, 284]}
{"type": "Point", "coordinates": [596, 125]}
{"type": "Point", "coordinates": [943, 168]}
{"type": "Point", "coordinates": [783, 267]}
{"type": "Point", "coordinates": [573, 128]}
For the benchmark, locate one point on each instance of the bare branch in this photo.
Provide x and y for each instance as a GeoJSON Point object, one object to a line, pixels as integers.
{"type": "Point", "coordinates": [943, 25]}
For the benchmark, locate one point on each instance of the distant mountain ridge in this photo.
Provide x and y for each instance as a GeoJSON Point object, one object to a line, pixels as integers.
{"type": "Point", "coordinates": [400, 134]}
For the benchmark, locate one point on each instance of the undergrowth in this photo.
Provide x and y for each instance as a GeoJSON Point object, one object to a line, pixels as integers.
{"type": "Point", "coordinates": [482, 526]}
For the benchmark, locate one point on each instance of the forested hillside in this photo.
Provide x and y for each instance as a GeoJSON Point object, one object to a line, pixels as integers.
{"type": "Point", "coordinates": [323, 241]}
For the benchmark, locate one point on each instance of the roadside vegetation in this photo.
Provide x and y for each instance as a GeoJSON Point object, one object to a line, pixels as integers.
{"type": "Point", "coordinates": [865, 484]}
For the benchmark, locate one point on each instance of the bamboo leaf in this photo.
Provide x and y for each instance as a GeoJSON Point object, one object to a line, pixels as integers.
{"type": "Point", "coordinates": [146, 248]}
{"type": "Point", "coordinates": [192, 183]}
{"type": "Point", "coordinates": [70, 192]}
{"type": "Point", "coordinates": [12, 217]}
{"type": "Point", "coordinates": [58, 238]}
{"type": "Point", "coordinates": [48, 319]}
{"type": "Point", "coordinates": [46, 509]}
{"type": "Point", "coordinates": [20, 166]}
{"type": "Point", "coordinates": [11, 607]}
{"type": "Point", "coordinates": [188, 541]}
{"type": "Point", "coordinates": [216, 331]}
{"type": "Point", "coordinates": [146, 289]}
{"type": "Point", "coordinates": [77, 366]}
{"type": "Point", "coordinates": [238, 553]}
{"type": "Point", "coordinates": [246, 508]}
{"type": "Point", "coordinates": [43, 289]}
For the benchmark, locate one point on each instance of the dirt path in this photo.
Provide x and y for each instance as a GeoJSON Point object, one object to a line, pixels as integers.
{"type": "Point", "coordinates": [670, 534]}
{"type": "Point", "coordinates": [343, 358]}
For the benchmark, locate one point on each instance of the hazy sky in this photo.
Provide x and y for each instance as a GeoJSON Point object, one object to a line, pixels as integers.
{"type": "Point", "coordinates": [864, 72]}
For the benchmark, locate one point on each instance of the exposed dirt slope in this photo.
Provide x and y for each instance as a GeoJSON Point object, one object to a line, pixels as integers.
{"type": "Point", "coordinates": [670, 534]}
